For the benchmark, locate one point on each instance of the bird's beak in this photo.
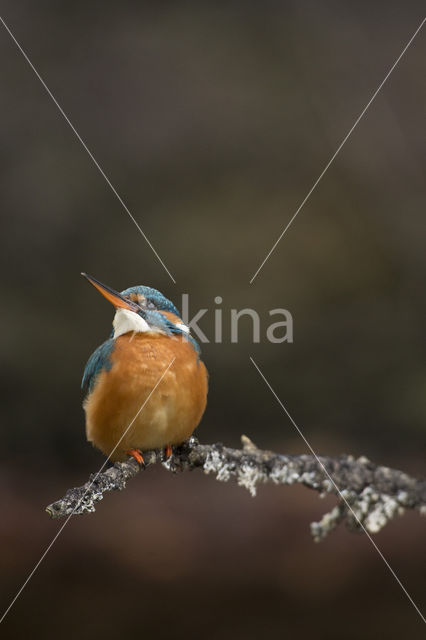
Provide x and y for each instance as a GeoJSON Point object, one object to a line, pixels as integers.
{"type": "Point", "coordinates": [113, 296]}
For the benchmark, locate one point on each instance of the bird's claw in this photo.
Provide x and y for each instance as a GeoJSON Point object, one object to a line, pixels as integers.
{"type": "Point", "coordinates": [137, 455]}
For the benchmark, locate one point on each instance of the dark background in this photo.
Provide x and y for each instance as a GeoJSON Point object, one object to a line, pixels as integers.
{"type": "Point", "coordinates": [213, 120]}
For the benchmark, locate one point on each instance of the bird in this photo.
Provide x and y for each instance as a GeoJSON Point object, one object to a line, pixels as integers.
{"type": "Point", "coordinates": [146, 386]}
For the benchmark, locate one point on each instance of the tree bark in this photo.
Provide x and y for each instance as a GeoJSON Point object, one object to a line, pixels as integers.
{"type": "Point", "coordinates": [369, 496]}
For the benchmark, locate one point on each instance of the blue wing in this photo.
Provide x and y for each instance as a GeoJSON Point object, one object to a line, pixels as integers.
{"type": "Point", "coordinates": [99, 360]}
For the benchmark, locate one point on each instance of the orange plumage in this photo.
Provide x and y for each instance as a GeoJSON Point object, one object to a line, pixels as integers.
{"type": "Point", "coordinates": [172, 412]}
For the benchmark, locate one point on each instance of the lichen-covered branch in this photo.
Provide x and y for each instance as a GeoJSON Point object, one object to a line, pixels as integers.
{"type": "Point", "coordinates": [368, 495]}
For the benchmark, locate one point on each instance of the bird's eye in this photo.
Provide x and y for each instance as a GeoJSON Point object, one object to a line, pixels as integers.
{"type": "Point", "coordinates": [150, 305]}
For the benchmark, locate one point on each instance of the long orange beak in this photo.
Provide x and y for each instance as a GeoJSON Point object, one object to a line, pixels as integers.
{"type": "Point", "coordinates": [112, 296]}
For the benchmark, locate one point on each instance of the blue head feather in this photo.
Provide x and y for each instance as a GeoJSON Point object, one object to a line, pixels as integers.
{"type": "Point", "coordinates": [153, 295]}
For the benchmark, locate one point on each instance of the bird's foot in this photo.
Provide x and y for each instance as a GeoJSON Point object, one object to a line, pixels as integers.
{"type": "Point", "coordinates": [137, 455]}
{"type": "Point", "coordinates": [168, 452]}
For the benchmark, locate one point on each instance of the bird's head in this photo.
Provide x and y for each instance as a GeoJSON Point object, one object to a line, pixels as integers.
{"type": "Point", "coordinates": [141, 309]}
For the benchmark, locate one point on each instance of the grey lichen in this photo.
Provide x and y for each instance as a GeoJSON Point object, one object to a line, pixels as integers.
{"type": "Point", "coordinates": [369, 496]}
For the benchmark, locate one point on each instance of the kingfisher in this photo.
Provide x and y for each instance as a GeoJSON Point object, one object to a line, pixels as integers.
{"type": "Point", "coordinates": [146, 386]}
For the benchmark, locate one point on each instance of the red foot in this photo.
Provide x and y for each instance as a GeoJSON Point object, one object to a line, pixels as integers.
{"type": "Point", "coordinates": [136, 454]}
{"type": "Point", "coordinates": [168, 451]}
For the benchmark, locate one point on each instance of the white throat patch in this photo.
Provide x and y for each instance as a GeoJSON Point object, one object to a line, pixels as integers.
{"type": "Point", "coordinates": [125, 321]}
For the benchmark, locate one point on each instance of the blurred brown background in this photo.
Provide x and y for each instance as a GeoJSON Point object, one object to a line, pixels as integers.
{"type": "Point", "coordinates": [213, 120]}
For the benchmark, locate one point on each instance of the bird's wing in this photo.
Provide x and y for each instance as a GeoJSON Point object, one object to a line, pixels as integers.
{"type": "Point", "coordinates": [100, 359]}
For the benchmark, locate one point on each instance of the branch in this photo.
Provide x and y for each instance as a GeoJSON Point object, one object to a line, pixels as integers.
{"type": "Point", "coordinates": [369, 495]}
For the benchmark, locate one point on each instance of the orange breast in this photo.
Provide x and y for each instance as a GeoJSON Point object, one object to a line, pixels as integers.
{"type": "Point", "coordinates": [168, 417]}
